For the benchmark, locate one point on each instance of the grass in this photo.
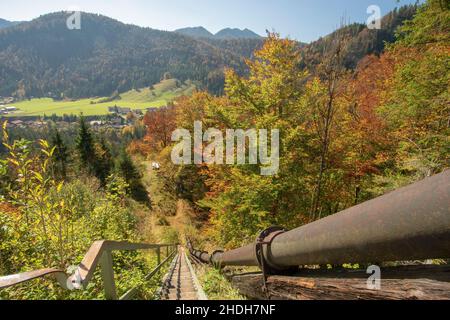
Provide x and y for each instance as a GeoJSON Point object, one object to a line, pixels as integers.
{"type": "Point", "coordinates": [216, 286]}
{"type": "Point", "coordinates": [158, 96]}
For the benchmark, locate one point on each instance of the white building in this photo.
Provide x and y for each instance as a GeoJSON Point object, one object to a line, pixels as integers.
{"type": "Point", "coordinates": [156, 166]}
{"type": "Point", "coordinates": [96, 123]}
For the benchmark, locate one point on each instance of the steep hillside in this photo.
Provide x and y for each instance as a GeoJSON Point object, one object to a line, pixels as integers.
{"type": "Point", "coordinates": [43, 57]}
{"type": "Point", "coordinates": [5, 23]}
{"type": "Point", "coordinates": [361, 40]}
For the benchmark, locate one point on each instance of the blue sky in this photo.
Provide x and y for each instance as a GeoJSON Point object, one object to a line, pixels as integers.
{"type": "Point", "coordinates": [304, 20]}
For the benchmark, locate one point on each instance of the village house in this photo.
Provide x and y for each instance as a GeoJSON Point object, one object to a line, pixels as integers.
{"type": "Point", "coordinates": [5, 109]}
{"type": "Point", "coordinates": [119, 110]}
{"type": "Point", "coordinates": [38, 124]}
{"type": "Point", "coordinates": [116, 121]}
{"type": "Point", "coordinates": [7, 100]}
{"type": "Point", "coordinates": [97, 124]}
{"type": "Point", "coordinates": [17, 123]}
{"type": "Point", "coordinates": [10, 109]}
{"type": "Point", "coordinates": [152, 109]}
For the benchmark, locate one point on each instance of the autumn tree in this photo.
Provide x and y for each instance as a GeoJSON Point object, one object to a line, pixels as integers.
{"type": "Point", "coordinates": [242, 201]}
{"type": "Point", "coordinates": [160, 125]}
{"type": "Point", "coordinates": [324, 104]}
{"type": "Point", "coordinates": [418, 111]}
{"type": "Point", "coordinates": [365, 142]}
{"type": "Point", "coordinates": [346, 136]}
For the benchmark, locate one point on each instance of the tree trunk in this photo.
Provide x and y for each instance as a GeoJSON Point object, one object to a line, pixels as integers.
{"type": "Point", "coordinates": [402, 283]}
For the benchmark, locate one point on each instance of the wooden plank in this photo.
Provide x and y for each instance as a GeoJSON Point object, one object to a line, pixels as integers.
{"type": "Point", "coordinates": [405, 283]}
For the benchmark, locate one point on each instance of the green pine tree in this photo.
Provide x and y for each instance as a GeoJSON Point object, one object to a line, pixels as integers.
{"type": "Point", "coordinates": [103, 161]}
{"type": "Point", "coordinates": [133, 178]}
{"type": "Point", "coordinates": [85, 147]}
{"type": "Point", "coordinates": [60, 156]}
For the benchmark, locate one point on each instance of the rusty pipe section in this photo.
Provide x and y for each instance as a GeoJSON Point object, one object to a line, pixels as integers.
{"type": "Point", "coordinates": [412, 223]}
{"type": "Point", "coordinates": [200, 255]}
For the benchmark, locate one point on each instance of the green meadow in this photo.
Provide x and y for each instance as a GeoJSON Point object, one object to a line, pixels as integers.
{"type": "Point", "coordinates": [158, 95]}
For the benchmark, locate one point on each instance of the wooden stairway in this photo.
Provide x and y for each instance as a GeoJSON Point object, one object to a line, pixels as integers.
{"type": "Point", "coordinates": [181, 282]}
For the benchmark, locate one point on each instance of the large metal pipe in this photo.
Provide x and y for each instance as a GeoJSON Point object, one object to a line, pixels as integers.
{"type": "Point", "coordinates": [412, 223]}
{"type": "Point", "coordinates": [200, 255]}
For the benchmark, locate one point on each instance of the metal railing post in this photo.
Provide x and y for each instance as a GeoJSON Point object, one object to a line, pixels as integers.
{"type": "Point", "coordinates": [158, 254]}
{"type": "Point", "coordinates": [167, 251]}
{"type": "Point", "coordinates": [98, 256]}
{"type": "Point", "coordinates": [106, 263]}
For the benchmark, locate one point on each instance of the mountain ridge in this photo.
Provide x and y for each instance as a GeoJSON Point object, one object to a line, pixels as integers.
{"type": "Point", "coordinates": [43, 58]}
{"type": "Point", "coordinates": [6, 24]}
{"type": "Point", "coordinates": [195, 32]}
{"type": "Point", "coordinates": [224, 34]}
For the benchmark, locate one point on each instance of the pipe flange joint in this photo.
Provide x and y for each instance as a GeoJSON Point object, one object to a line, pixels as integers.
{"type": "Point", "coordinates": [266, 238]}
{"type": "Point", "coordinates": [212, 257]}
{"type": "Point", "coordinates": [202, 253]}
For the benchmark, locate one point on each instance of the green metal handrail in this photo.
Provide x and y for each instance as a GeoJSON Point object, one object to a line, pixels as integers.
{"type": "Point", "coordinates": [100, 254]}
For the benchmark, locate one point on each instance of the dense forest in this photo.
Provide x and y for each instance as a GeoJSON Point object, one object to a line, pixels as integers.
{"type": "Point", "coordinates": [360, 113]}
{"type": "Point", "coordinates": [59, 195]}
{"type": "Point", "coordinates": [361, 41]}
{"type": "Point", "coordinates": [6, 24]}
{"type": "Point", "coordinates": [43, 58]}
{"type": "Point", "coordinates": [347, 135]}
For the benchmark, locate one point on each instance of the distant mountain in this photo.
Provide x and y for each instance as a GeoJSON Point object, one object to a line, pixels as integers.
{"type": "Point", "coordinates": [229, 33]}
{"type": "Point", "coordinates": [361, 40]}
{"type": "Point", "coordinates": [44, 58]}
{"type": "Point", "coordinates": [5, 23]}
{"type": "Point", "coordinates": [225, 34]}
{"type": "Point", "coordinates": [195, 32]}
{"type": "Point", "coordinates": [241, 47]}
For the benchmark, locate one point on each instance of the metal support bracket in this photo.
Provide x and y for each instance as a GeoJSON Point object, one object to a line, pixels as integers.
{"type": "Point", "coordinates": [265, 239]}
{"type": "Point", "coordinates": [213, 261]}
{"type": "Point", "coordinates": [106, 264]}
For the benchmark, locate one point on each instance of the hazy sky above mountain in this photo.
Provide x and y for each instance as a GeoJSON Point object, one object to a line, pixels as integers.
{"type": "Point", "coordinates": [304, 20]}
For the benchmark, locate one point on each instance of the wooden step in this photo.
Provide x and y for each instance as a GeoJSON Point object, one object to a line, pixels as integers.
{"type": "Point", "coordinates": [180, 285]}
